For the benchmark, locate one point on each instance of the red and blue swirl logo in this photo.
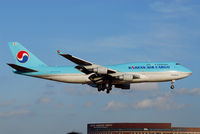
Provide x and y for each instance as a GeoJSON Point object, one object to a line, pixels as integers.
{"type": "Point", "coordinates": [22, 56]}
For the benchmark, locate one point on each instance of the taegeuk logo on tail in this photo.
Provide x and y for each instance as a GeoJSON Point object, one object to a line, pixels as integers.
{"type": "Point", "coordinates": [22, 56]}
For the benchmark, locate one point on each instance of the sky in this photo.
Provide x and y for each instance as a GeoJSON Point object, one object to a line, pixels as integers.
{"type": "Point", "coordinates": [104, 32]}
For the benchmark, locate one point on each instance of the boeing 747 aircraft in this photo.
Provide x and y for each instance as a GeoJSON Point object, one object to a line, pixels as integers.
{"type": "Point", "coordinates": [101, 77]}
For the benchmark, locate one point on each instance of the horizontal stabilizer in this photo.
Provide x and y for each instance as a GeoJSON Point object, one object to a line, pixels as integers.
{"type": "Point", "coordinates": [22, 69]}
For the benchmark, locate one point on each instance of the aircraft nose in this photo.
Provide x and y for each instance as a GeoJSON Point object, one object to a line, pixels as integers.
{"type": "Point", "coordinates": [188, 72]}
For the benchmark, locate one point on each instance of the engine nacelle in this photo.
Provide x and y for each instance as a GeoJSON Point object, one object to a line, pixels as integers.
{"type": "Point", "coordinates": [126, 77]}
{"type": "Point", "coordinates": [123, 86]}
{"type": "Point", "coordinates": [100, 70]}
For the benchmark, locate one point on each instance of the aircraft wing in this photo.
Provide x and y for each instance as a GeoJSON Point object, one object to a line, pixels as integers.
{"type": "Point", "coordinates": [98, 73]}
{"type": "Point", "coordinates": [76, 60]}
{"type": "Point", "coordinates": [86, 66]}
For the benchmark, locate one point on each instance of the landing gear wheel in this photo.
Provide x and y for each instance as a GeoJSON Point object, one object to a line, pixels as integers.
{"type": "Point", "coordinates": [172, 84]}
{"type": "Point", "coordinates": [107, 91]}
{"type": "Point", "coordinates": [101, 87]}
{"type": "Point", "coordinates": [108, 86]}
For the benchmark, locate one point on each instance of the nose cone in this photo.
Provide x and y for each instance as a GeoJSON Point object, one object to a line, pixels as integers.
{"type": "Point", "coordinates": [188, 72]}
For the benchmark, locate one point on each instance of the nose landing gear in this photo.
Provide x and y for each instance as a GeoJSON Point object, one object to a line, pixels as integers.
{"type": "Point", "coordinates": [172, 84]}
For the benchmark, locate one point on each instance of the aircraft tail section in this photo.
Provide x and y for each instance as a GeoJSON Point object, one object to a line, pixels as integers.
{"type": "Point", "coordinates": [23, 57]}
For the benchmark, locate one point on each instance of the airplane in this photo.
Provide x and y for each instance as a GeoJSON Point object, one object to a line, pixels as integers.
{"type": "Point", "coordinates": [98, 76]}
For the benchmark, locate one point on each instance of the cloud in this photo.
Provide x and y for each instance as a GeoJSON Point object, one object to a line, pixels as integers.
{"type": "Point", "coordinates": [49, 85]}
{"type": "Point", "coordinates": [7, 103]}
{"type": "Point", "coordinates": [163, 102]}
{"type": "Point", "coordinates": [185, 91]}
{"type": "Point", "coordinates": [59, 105]}
{"type": "Point", "coordinates": [114, 106]}
{"type": "Point", "coordinates": [172, 6]}
{"type": "Point", "coordinates": [124, 41]}
{"type": "Point", "coordinates": [162, 35]}
{"type": "Point", "coordinates": [160, 102]}
{"type": "Point", "coordinates": [81, 90]}
{"type": "Point", "coordinates": [15, 113]}
{"type": "Point", "coordinates": [49, 92]}
{"type": "Point", "coordinates": [175, 8]}
{"type": "Point", "coordinates": [136, 87]}
{"type": "Point", "coordinates": [23, 106]}
{"type": "Point", "coordinates": [44, 100]}
{"type": "Point", "coordinates": [145, 86]}
{"type": "Point", "coordinates": [70, 106]}
{"type": "Point", "coordinates": [88, 104]}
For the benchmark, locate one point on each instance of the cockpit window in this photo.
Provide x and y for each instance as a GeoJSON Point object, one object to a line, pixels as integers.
{"type": "Point", "coordinates": [178, 64]}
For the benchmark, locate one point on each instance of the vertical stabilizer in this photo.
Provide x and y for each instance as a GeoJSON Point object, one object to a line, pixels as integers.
{"type": "Point", "coordinates": [24, 57]}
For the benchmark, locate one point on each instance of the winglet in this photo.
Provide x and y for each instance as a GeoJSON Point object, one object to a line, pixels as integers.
{"type": "Point", "coordinates": [59, 52]}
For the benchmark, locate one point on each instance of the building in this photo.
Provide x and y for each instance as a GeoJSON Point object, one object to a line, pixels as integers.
{"type": "Point", "coordinates": [139, 128]}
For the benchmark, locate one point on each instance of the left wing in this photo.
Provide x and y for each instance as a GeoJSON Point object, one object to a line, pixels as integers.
{"type": "Point", "coordinates": [98, 73]}
{"type": "Point", "coordinates": [86, 66]}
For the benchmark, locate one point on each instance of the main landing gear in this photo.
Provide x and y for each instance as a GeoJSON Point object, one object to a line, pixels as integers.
{"type": "Point", "coordinates": [103, 86]}
{"type": "Point", "coordinates": [172, 84]}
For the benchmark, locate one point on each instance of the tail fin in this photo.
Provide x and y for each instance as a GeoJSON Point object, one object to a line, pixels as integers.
{"type": "Point", "coordinates": [23, 57]}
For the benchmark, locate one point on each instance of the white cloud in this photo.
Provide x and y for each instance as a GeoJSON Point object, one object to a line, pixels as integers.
{"type": "Point", "coordinates": [185, 91]}
{"type": "Point", "coordinates": [14, 113]}
{"type": "Point", "coordinates": [70, 106]}
{"type": "Point", "coordinates": [172, 6]}
{"type": "Point", "coordinates": [145, 86]}
{"type": "Point", "coordinates": [23, 106]}
{"type": "Point", "coordinates": [124, 41]}
{"type": "Point", "coordinates": [80, 90]}
{"type": "Point", "coordinates": [7, 103]}
{"type": "Point", "coordinates": [173, 9]}
{"type": "Point", "coordinates": [114, 106]}
{"type": "Point", "coordinates": [144, 104]}
{"type": "Point", "coordinates": [163, 35]}
{"type": "Point", "coordinates": [160, 102]}
{"type": "Point", "coordinates": [163, 102]}
{"type": "Point", "coordinates": [44, 100]}
{"type": "Point", "coordinates": [59, 105]}
{"type": "Point", "coordinates": [88, 104]}
{"type": "Point", "coordinates": [49, 92]}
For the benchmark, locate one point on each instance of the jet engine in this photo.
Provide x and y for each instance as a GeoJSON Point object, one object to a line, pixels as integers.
{"type": "Point", "coordinates": [100, 70]}
{"type": "Point", "coordinates": [126, 77]}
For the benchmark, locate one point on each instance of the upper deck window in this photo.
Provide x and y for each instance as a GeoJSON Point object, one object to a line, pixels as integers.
{"type": "Point", "coordinates": [178, 64]}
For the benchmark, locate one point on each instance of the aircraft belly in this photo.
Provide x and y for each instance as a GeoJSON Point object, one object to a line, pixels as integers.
{"type": "Point", "coordinates": [67, 78]}
{"type": "Point", "coordinates": [145, 77]}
